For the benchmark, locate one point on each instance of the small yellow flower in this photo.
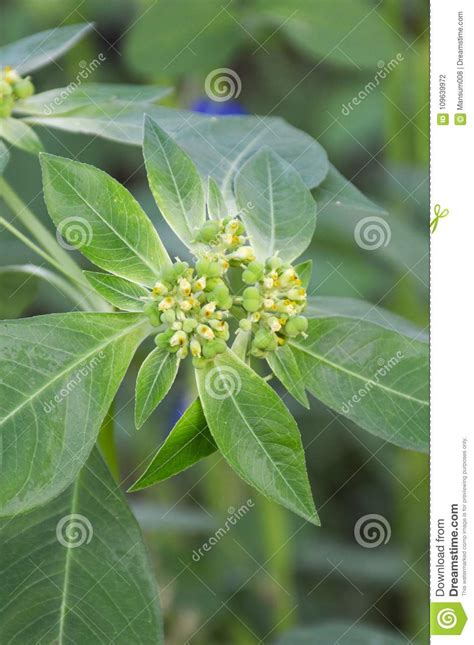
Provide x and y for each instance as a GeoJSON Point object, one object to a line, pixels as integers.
{"type": "Point", "coordinates": [166, 303]}
{"type": "Point", "coordinates": [195, 347]}
{"type": "Point", "coordinates": [179, 338]}
{"type": "Point", "coordinates": [205, 331]}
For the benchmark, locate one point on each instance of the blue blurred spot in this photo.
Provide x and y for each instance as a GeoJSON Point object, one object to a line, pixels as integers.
{"type": "Point", "coordinates": [216, 108]}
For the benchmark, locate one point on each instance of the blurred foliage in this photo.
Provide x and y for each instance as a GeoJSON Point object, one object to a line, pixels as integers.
{"type": "Point", "coordinates": [271, 572]}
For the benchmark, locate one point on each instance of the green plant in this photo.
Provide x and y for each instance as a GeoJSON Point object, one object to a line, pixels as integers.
{"type": "Point", "coordinates": [239, 304]}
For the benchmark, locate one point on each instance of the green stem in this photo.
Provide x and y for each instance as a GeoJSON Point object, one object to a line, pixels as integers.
{"type": "Point", "coordinates": [51, 250]}
{"type": "Point", "coordinates": [276, 545]}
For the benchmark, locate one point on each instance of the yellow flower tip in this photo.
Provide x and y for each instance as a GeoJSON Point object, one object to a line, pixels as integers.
{"type": "Point", "coordinates": [280, 340]}
{"type": "Point", "coordinates": [205, 331]}
{"type": "Point", "coordinates": [166, 303]}
{"type": "Point", "coordinates": [179, 338]}
{"type": "Point", "coordinates": [298, 282]}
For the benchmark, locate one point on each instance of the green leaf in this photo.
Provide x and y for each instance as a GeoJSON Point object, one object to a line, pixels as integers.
{"type": "Point", "coordinates": [76, 569]}
{"type": "Point", "coordinates": [33, 52]}
{"type": "Point", "coordinates": [328, 306]}
{"type": "Point", "coordinates": [304, 271]}
{"type": "Point", "coordinates": [121, 293]}
{"type": "Point", "coordinates": [64, 99]}
{"type": "Point", "coordinates": [58, 376]}
{"type": "Point", "coordinates": [187, 443]}
{"type": "Point", "coordinates": [283, 364]}
{"type": "Point", "coordinates": [351, 33]}
{"type": "Point", "coordinates": [343, 633]}
{"type": "Point", "coordinates": [375, 377]}
{"type": "Point", "coordinates": [256, 433]}
{"type": "Point", "coordinates": [20, 135]}
{"type": "Point", "coordinates": [174, 182]}
{"type": "Point", "coordinates": [277, 209]}
{"type": "Point", "coordinates": [216, 206]}
{"type": "Point", "coordinates": [156, 376]}
{"type": "Point", "coordinates": [4, 157]}
{"type": "Point", "coordinates": [97, 215]}
{"type": "Point", "coordinates": [219, 146]}
{"type": "Point", "coordinates": [17, 291]}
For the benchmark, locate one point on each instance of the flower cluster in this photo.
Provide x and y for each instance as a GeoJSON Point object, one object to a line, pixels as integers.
{"type": "Point", "coordinates": [226, 238]}
{"type": "Point", "coordinates": [191, 305]}
{"type": "Point", "coordinates": [12, 88]}
{"type": "Point", "coordinates": [274, 303]}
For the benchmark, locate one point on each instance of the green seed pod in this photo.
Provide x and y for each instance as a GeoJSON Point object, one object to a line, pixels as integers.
{"type": "Point", "coordinates": [257, 268]}
{"type": "Point", "coordinates": [212, 283]}
{"type": "Point", "coordinates": [251, 293]}
{"type": "Point", "coordinates": [151, 311]}
{"type": "Point", "coordinates": [168, 274]}
{"type": "Point", "coordinates": [202, 267]}
{"type": "Point", "coordinates": [208, 231]}
{"type": "Point", "coordinates": [209, 349]}
{"type": "Point", "coordinates": [265, 340]}
{"type": "Point", "coordinates": [296, 326]}
{"type": "Point", "coordinates": [179, 268]}
{"type": "Point", "coordinates": [252, 304]}
{"type": "Point", "coordinates": [24, 88]}
{"type": "Point", "coordinates": [162, 340]}
{"type": "Point", "coordinates": [249, 277]}
{"type": "Point", "coordinates": [199, 362]}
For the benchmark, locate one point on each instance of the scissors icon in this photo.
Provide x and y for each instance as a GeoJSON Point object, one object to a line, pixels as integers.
{"type": "Point", "coordinates": [439, 214]}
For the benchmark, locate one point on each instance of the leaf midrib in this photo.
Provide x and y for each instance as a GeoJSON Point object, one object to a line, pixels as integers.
{"type": "Point", "coordinates": [154, 270]}
{"type": "Point", "coordinates": [234, 401]}
{"type": "Point", "coordinates": [84, 357]}
{"type": "Point", "coordinates": [358, 376]}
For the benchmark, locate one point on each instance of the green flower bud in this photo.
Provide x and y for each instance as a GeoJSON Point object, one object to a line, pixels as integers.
{"type": "Point", "coordinates": [211, 283]}
{"type": "Point", "coordinates": [163, 340]}
{"type": "Point", "coordinates": [5, 89]}
{"type": "Point", "coordinates": [24, 88]}
{"type": "Point", "coordinates": [168, 317]}
{"type": "Point", "coordinates": [251, 292]}
{"type": "Point", "coordinates": [208, 231]}
{"type": "Point", "coordinates": [151, 311]}
{"type": "Point", "coordinates": [189, 325]}
{"type": "Point", "coordinates": [274, 263]}
{"type": "Point", "coordinates": [257, 268]}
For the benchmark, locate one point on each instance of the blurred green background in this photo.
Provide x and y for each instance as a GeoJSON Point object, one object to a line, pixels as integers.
{"type": "Point", "coordinates": [302, 60]}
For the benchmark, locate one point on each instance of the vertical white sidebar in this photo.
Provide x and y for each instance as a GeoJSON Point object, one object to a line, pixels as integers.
{"type": "Point", "coordinates": [452, 321]}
